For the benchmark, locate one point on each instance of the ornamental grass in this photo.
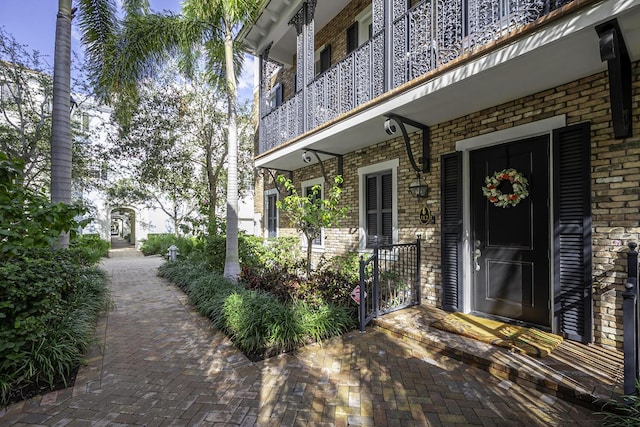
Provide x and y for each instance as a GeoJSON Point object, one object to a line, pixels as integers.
{"type": "Point", "coordinates": [260, 323]}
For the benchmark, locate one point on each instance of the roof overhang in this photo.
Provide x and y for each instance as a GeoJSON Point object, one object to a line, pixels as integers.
{"type": "Point", "coordinates": [272, 26]}
{"type": "Point", "coordinates": [562, 51]}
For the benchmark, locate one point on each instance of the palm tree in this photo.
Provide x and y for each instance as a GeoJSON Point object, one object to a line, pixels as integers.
{"type": "Point", "coordinates": [121, 55]}
{"type": "Point", "coordinates": [61, 145]}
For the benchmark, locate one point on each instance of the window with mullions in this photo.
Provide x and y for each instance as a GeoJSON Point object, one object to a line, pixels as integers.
{"type": "Point", "coordinates": [8, 92]}
{"type": "Point", "coordinates": [271, 213]}
{"type": "Point", "coordinates": [379, 206]}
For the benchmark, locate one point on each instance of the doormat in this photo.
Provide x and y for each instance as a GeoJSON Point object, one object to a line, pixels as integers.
{"type": "Point", "coordinates": [518, 338]}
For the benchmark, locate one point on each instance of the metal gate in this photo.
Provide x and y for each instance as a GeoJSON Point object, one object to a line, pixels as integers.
{"type": "Point", "coordinates": [389, 280]}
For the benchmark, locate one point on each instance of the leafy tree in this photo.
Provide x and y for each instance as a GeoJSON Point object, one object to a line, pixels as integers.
{"type": "Point", "coordinates": [122, 53]}
{"type": "Point", "coordinates": [25, 104]}
{"type": "Point", "coordinates": [204, 117]}
{"type": "Point", "coordinates": [27, 218]}
{"type": "Point", "coordinates": [155, 156]}
{"type": "Point", "coordinates": [25, 117]}
{"type": "Point", "coordinates": [310, 214]}
{"type": "Point", "coordinates": [173, 148]}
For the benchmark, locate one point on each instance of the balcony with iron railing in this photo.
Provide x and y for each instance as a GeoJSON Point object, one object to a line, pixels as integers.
{"type": "Point", "coordinates": [429, 35]}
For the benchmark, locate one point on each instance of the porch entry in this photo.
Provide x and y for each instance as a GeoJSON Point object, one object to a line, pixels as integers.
{"type": "Point", "coordinates": [501, 265]}
{"type": "Point", "coordinates": [511, 244]}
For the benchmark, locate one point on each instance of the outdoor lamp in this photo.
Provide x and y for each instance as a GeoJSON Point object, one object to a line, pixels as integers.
{"type": "Point", "coordinates": [418, 188]}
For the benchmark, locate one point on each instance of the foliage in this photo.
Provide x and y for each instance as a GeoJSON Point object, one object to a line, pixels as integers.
{"type": "Point", "coordinates": [331, 282]}
{"type": "Point", "coordinates": [156, 154]}
{"type": "Point", "coordinates": [117, 65]}
{"type": "Point", "coordinates": [27, 218]}
{"type": "Point", "coordinates": [310, 214]}
{"type": "Point", "coordinates": [252, 251]}
{"type": "Point", "coordinates": [158, 244]}
{"type": "Point", "coordinates": [48, 304]}
{"type": "Point", "coordinates": [25, 115]}
{"type": "Point", "coordinates": [257, 322]}
{"type": "Point", "coordinates": [25, 127]}
{"type": "Point", "coordinates": [91, 246]}
{"type": "Point", "coordinates": [622, 412]}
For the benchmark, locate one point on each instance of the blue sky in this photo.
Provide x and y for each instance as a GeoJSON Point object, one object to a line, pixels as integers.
{"type": "Point", "coordinates": [33, 23]}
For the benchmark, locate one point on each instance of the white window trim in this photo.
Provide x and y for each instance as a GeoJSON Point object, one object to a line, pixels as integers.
{"type": "Point", "coordinates": [268, 193]}
{"type": "Point", "coordinates": [303, 185]}
{"type": "Point", "coordinates": [362, 173]}
{"type": "Point", "coordinates": [363, 19]}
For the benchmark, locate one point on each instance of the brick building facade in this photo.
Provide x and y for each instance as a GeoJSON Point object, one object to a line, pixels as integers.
{"type": "Point", "coordinates": [614, 165]}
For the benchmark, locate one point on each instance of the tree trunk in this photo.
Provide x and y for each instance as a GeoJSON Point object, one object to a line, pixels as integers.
{"type": "Point", "coordinates": [309, 249]}
{"type": "Point", "coordinates": [176, 220]}
{"type": "Point", "coordinates": [61, 117]}
{"type": "Point", "coordinates": [212, 226]}
{"type": "Point", "coordinates": [231, 263]}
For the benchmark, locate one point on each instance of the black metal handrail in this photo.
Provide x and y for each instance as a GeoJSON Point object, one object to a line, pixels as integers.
{"type": "Point", "coordinates": [389, 280]}
{"type": "Point", "coordinates": [631, 323]}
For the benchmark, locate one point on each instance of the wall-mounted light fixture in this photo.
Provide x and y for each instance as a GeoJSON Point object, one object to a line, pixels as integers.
{"type": "Point", "coordinates": [418, 188]}
{"type": "Point", "coordinates": [306, 158]}
{"type": "Point", "coordinates": [390, 129]}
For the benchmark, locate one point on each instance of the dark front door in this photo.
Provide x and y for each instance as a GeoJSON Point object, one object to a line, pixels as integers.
{"type": "Point", "coordinates": [511, 244]}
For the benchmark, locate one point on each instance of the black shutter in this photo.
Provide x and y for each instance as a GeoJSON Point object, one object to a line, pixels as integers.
{"type": "Point", "coordinates": [451, 202]}
{"type": "Point", "coordinates": [278, 95]}
{"type": "Point", "coordinates": [573, 311]}
{"type": "Point", "coordinates": [352, 37]}
{"type": "Point", "coordinates": [386, 208]}
{"type": "Point", "coordinates": [325, 59]}
{"type": "Point", "coordinates": [372, 211]}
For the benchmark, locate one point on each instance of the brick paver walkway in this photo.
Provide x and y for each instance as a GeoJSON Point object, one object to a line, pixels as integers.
{"type": "Point", "coordinates": [161, 364]}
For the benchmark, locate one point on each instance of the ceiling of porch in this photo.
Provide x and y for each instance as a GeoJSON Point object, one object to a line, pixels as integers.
{"type": "Point", "coordinates": [273, 24]}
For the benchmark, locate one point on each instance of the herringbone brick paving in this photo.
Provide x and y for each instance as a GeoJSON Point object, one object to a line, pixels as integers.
{"type": "Point", "coordinates": [161, 364]}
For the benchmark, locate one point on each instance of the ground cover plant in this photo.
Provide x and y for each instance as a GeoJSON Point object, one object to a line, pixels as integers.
{"type": "Point", "coordinates": [275, 307]}
{"type": "Point", "coordinates": [91, 246]}
{"type": "Point", "coordinates": [622, 411]}
{"type": "Point", "coordinates": [48, 305]}
{"type": "Point", "coordinates": [49, 299]}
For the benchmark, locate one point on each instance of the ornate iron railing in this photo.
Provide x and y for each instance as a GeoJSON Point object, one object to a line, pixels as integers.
{"type": "Point", "coordinates": [423, 38]}
{"type": "Point", "coordinates": [389, 280]}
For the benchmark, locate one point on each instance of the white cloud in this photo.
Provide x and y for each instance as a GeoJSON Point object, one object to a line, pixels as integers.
{"type": "Point", "coordinates": [246, 79]}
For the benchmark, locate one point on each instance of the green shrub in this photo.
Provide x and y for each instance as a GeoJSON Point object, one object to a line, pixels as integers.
{"type": "Point", "coordinates": [253, 252]}
{"type": "Point", "coordinates": [48, 305]}
{"type": "Point", "coordinates": [92, 246]}
{"type": "Point", "coordinates": [29, 219]}
{"type": "Point", "coordinates": [157, 244]}
{"type": "Point", "coordinates": [258, 322]}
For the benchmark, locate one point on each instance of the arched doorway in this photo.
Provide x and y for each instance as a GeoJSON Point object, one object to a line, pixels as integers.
{"type": "Point", "coordinates": [123, 227]}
